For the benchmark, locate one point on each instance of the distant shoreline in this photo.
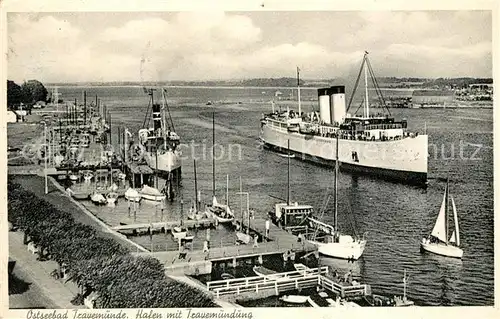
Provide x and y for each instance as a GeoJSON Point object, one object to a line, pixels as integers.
{"type": "Point", "coordinates": [73, 86]}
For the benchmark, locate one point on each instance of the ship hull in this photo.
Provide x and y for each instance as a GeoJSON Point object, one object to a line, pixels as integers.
{"type": "Point", "coordinates": [443, 250]}
{"type": "Point", "coordinates": [352, 251]}
{"type": "Point", "coordinates": [168, 162]}
{"type": "Point", "coordinates": [403, 160]}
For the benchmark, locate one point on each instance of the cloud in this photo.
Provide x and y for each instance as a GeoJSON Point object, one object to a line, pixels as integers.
{"type": "Point", "coordinates": [218, 45]}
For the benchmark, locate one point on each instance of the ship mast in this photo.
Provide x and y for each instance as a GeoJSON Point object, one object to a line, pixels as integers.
{"type": "Point", "coordinates": [367, 103]}
{"type": "Point", "coordinates": [288, 177]}
{"type": "Point", "coordinates": [336, 182]}
{"type": "Point", "coordinates": [213, 155]}
{"type": "Point", "coordinates": [163, 119]}
{"type": "Point", "coordinates": [298, 91]}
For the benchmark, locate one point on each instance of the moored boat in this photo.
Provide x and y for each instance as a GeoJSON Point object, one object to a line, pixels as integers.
{"type": "Point", "coordinates": [160, 142]}
{"type": "Point", "coordinates": [263, 271]}
{"type": "Point", "coordinates": [295, 299]}
{"type": "Point", "coordinates": [111, 198]}
{"type": "Point", "coordinates": [132, 195]}
{"type": "Point", "coordinates": [179, 232]}
{"type": "Point", "coordinates": [98, 199]}
{"type": "Point", "coordinates": [221, 212]}
{"type": "Point", "coordinates": [333, 243]}
{"type": "Point", "coordinates": [151, 193]}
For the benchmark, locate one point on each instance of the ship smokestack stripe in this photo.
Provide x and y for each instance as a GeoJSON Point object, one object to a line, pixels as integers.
{"type": "Point", "coordinates": [156, 116]}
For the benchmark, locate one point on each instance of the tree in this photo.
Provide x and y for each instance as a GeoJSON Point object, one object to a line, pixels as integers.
{"type": "Point", "coordinates": [14, 94]}
{"type": "Point", "coordinates": [33, 91]}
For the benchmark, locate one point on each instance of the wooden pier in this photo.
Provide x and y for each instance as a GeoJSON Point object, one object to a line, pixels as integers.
{"type": "Point", "coordinates": [166, 225]}
{"type": "Point", "coordinates": [197, 262]}
{"type": "Point", "coordinates": [281, 282]}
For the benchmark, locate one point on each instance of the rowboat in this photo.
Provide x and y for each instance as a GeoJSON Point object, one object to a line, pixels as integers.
{"type": "Point", "coordinates": [296, 299]}
{"type": "Point", "coordinates": [263, 271]}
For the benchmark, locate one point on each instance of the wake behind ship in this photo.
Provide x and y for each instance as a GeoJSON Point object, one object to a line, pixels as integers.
{"type": "Point", "coordinates": [378, 146]}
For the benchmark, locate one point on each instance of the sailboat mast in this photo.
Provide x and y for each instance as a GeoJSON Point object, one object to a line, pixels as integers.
{"type": "Point", "coordinates": [298, 91]}
{"type": "Point", "coordinates": [288, 177]}
{"type": "Point", "coordinates": [195, 188]}
{"type": "Point", "coordinates": [227, 190]}
{"type": "Point", "coordinates": [447, 207]}
{"type": "Point", "coordinates": [336, 181]}
{"type": "Point", "coordinates": [241, 204]}
{"type": "Point", "coordinates": [404, 285]}
{"type": "Point", "coordinates": [213, 154]}
{"type": "Point", "coordinates": [367, 103]}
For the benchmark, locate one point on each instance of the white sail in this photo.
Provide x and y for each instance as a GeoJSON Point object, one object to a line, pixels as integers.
{"type": "Point", "coordinates": [456, 233]}
{"type": "Point", "coordinates": [439, 230]}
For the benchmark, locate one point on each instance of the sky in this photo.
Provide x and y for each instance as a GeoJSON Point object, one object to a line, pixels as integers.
{"type": "Point", "coordinates": [217, 45]}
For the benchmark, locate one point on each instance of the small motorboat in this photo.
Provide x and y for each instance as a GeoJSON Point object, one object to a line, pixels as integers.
{"type": "Point", "coordinates": [226, 276]}
{"type": "Point", "coordinates": [80, 194]}
{"type": "Point", "coordinates": [296, 299]}
{"type": "Point", "coordinates": [111, 198]}
{"type": "Point", "coordinates": [98, 199]}
{"type": "Point", "coordinates": [113, 188]}
{"type": "Point", "coordinates": [243, 238]}
{"type": "Point", "coordinates": [132, 195]}
{"type": "Point", "coordinates": [151, 193]}
{"type": "Point", "coordinates": [263, 271]}
{"type": "Point", "coordinates": [179, 233]}
{"type": "Point", "coordinates": [73, 177]}
{"type": "Point", "coordinates": [87, 177]}
{"type": "Point", "coordinates": [300, 267]}
{"type": "Point", "coordinates": [286, 155]}
{"type": "Point", "coordinates": [196, 215]}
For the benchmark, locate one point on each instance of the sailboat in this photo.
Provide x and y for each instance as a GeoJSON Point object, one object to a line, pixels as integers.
{"type": "Point", "coordinates": [244, 237]}
{"type": "Point", "coordinates": [221, 212]}
{"type": "Point", "coordinates": [181, 232]}
{"type": "Point", "coordinates": [194, 212]}
{"type": "Point", "coordinates": [334, 244]}
{"type": "Point", "coordinates": [437, 242]}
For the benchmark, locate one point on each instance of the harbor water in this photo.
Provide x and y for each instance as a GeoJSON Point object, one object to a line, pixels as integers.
{"type": "Point", "coordinates": [394, 217]}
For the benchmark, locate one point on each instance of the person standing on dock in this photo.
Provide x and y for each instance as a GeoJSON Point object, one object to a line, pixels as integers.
{"type": "Point", "coordinates": [205, 246]}
{"type": "Point", "coordinates": [268, 225]}
{"type": "Point", "coordinates": [255, 241]}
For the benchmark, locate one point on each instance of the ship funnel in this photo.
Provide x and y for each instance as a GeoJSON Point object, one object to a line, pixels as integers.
{"type": "Point", "coordinates": [324, 106]}
{"type": "Point", "coordinates": [156, 117]}
{"type": "Point", "coordinates": [337, 104]}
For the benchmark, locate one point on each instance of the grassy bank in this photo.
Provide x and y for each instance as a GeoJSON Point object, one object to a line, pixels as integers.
{"type": "Point", "coordinates": [94, 260]}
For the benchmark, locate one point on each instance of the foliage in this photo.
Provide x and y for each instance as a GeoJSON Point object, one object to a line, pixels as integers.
{"type": "Point", "coordinates": [14, 94]}
{"type": "Point", "coordinates": [78, 300]}
{"type": "Point", "coordinates": [33, 91]}
{"type": "Point", "coordinates": [97, 264]}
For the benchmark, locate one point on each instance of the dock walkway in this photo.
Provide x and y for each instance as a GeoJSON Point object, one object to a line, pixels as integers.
{"type": "Point", "coordinates": [281, 282]}
{"type": "Point", "coordinates": [166, 225]}
{"type": "Point", "coordinates": [279, 242]}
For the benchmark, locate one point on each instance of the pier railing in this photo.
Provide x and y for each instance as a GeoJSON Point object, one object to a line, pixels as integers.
{"type": "Point", "coordinates": [306, 278]}
{"type": "Point", "coordinates": [344, 291]}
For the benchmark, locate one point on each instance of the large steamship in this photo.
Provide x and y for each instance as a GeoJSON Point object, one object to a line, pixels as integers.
{"type": "Point", "coordinates": [377, 145]}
